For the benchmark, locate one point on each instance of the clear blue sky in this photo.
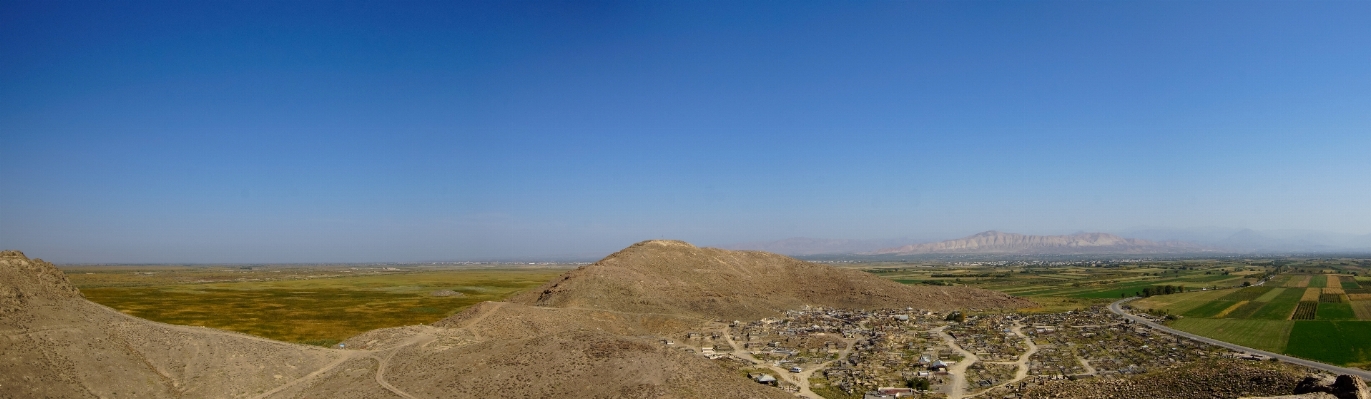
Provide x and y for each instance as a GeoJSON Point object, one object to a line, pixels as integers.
{"type": "Point", "coordinates": [302, 131]}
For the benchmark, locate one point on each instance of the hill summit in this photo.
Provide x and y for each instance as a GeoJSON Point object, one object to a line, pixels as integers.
{"type": "Point", "coordinates": [662, 276]}
{"type": "Point", "coordinates": [995, 242]}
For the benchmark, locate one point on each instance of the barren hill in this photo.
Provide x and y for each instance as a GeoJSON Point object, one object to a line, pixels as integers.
{"type": "Point", "coordinates": [994, 242]}
{"type": "Point", "coordinates": [57, 344]}
{"type": "Point", "coordinates": [593, 332]}
{"type": "Point", "coordinates": [674, 277]}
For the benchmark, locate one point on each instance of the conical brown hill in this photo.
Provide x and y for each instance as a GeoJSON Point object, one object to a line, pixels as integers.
{"type": "Point", "coordinates": [674, 277]}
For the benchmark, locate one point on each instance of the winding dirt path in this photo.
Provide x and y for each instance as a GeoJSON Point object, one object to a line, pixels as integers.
{"type": "Point", "coordinates": [315, 374]}
{"type": "Point", "coordinates": [1022, 363]}
{"type": "Point", "coordinates": [421, 338]}
{"type": "Point", "coordinates": [800, 379]}
{"type": "Point", "coordinates": [957, 389]}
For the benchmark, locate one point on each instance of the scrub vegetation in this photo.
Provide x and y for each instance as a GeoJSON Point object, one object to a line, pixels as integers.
{"type": "Point", "coordinates": [318, 305]}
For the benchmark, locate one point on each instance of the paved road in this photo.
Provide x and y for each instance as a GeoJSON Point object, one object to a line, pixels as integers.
{"type": "Point", "coordinates": [1117, 309]}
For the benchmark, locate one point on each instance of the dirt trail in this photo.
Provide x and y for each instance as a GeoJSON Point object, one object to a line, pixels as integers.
{"type": "Point", "coordinates": [315, 374]}
{"type": "Point", "coordinates": [1022, 363]}
{"type": "Point", "coordinates": [800, 379]}
{"type": "Point", "coordinates": [421, 339]}
{"type": "Point", "coordinates": [1089, 370]}
{"type": "Point", "coordinates": [957, 389]}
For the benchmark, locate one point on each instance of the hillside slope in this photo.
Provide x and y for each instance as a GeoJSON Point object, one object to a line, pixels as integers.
{"type": "Point", "coordinates": [58, 344]}
{"type": "Point", "coordinates": [674, 277]}
{"type": "Point", "coordinates": [994, 242]}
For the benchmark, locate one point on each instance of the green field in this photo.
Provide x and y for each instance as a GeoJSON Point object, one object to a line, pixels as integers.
{"type": "Point", "coordinates": [1181, 303]}
{"type": "Point", "coordinates": [1267, 335]}
{"type": "Point", "coordinates": [320, 306]}
{"type": "Point", "coordinates": [1338, 342]}
{"type": "Point", "coordinates": [1335, 311]}
{"type": "Point", "coordinates": [1349, 283]}
{"type": "Point", "coordinates": [1260, 317]}
{"type": "Point", "coordinates": [1246, 310]}
{"type": "Point", "coordinates": [1318, 281]}
{"type": "Point", "coordinates": [1280, 307]}
{"type": "Point", "coordinates": [1209, 309]}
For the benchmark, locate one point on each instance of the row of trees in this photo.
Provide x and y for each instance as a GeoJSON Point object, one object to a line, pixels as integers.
{"type": "Point", "coordinates": [1158, 290]}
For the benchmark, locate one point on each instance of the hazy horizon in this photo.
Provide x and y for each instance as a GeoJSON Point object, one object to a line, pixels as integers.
{"type": "Point", "coordinates": [259, 132]}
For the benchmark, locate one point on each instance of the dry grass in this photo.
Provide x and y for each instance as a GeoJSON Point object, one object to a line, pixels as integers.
{"type": "Point", "coordinates": [1333, 291]}
{"type": "Point", "coordinates": [1362, 309]}
{"type": "Point", "coordinates": [1230, 309]}
{"type": "Point", "coordinates": [1311, 294]}
{"type": "Point", "coordinates": [318, 311]}
{"type": "Point", "coordinates": [1298, 281]}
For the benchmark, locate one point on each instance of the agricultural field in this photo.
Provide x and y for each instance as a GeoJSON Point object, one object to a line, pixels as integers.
{"type": "Point", "coordinates": [1267, 335]}
{"type": "Point", "coordinates": [311, 305]}
{"type": "Point", "coordinates": [1338, 342]}
{"type": "Point", "coordinates": [1306, 317]}
{"type": "Point", "coordinates": [1075, 285]}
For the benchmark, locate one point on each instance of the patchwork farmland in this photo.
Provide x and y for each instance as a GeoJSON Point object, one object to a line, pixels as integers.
{"type": "Point", "coordinates": [1324, 317]}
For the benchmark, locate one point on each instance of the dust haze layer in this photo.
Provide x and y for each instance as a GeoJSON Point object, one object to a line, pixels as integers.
{"type": "Point", "coordinates": [995, 242]}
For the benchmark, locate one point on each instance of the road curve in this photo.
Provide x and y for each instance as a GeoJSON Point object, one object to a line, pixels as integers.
{"type": "Point", "coordinates": [1116, 307]}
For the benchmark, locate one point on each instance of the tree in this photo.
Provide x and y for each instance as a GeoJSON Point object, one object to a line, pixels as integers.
{"type": "Point", "coordinates": [1247, 284]}
{"type": "Point", "coordinates": [920, 383]}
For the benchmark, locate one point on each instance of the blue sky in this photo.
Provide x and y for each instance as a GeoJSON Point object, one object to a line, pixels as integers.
{"type": "Point", "coordinates": [396, 131]}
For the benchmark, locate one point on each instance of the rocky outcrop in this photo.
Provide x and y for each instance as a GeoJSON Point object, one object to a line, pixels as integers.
{"type": "Point", "coordinates": [22, 279]}
{"type": "Point", "coordinates": [1209, 379]}
{"type": "Point", "coordinates": [995, 242]}
{"type": "Point", "coordinates": [1342, 387]}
